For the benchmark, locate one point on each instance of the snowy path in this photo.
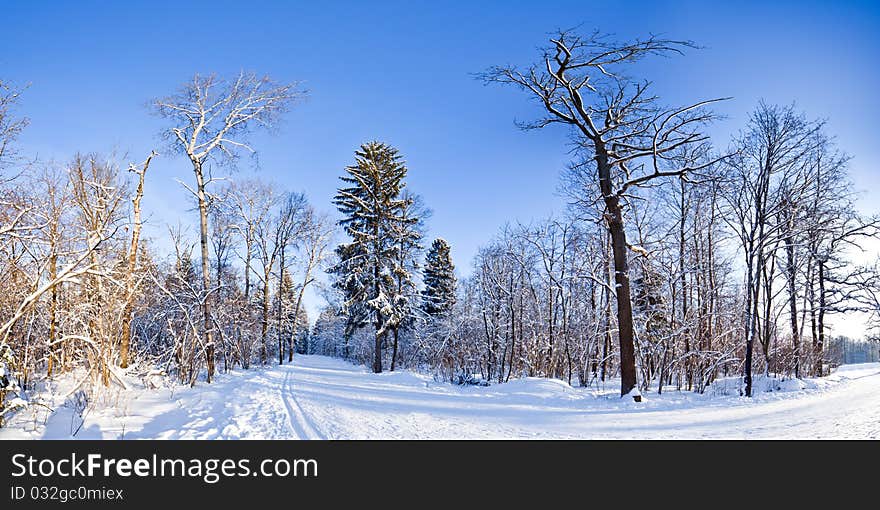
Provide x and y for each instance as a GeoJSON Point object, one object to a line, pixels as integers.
{"type": "Point", "coordinates": [323, 398]}
{"type": "Point", "coordinates": [348, 403]}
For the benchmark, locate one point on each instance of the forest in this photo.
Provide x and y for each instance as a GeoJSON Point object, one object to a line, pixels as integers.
{"type": "Point", "coordinates": [680, 259]}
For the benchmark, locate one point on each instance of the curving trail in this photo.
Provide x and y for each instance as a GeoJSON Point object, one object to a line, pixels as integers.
{"type": "Point", "coordinates": [350, 403]}
{"type": "Point", "coordinates": [323, 398]}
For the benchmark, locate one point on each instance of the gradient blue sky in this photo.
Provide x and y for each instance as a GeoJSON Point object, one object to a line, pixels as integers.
{"type": "Point", "coordinates": [399, 72]}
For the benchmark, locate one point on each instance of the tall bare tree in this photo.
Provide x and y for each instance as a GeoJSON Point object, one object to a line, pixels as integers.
{"type": "Point", "coordinates": [211, 119]}
{"type": "Point", "coordinates": [626, 137]}
{"type": "Point", "coordinates": [250, 202]}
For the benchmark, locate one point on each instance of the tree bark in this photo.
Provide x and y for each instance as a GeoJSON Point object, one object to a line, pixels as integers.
{"type": "Point", "coordinates": [394, 350]}
{"type": "Point", "coordinates": [125, 343]}
{"type": "Point", "coordinates": [749, 322]}
{"type": "Point", "coordinates": [625, 331]}
{"type": "Point", "coordinates": [208, 337]}
{"type": "Point", "coordinates": [820, 343]}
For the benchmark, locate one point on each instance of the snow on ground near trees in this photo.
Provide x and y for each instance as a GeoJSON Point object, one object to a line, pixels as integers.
{"type": "Point", "coordinates": [324, 398]}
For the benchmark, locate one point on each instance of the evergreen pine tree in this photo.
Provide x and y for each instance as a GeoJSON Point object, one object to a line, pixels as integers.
{"type": "Point", "coordinates": [438, 298]}
{"type": "Point", "coordinates": [284, 303]}
{"type": "Point", "coordinates": [327, 332]}
{"type": "Point", "coordinates": [369, 268]}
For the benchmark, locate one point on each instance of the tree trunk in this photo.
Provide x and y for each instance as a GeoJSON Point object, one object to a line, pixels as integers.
{"type": "Point", "coordinates": [377, 351]}
{"type": "Point", "coordinates": [624, 303]}
{"type": "Point", "coordinates": [625, 331]}
{"type": "Point", "coordinates": [206, 275]}
{"type": "Point", "coordinates": [749, 323]}
{"type": "Point", "coordinates": [792, 302]}
{"type": "Point", "coordinates": [394, 350]}
{"type": "Point", "coordinates": [377, 354]}
{"type": "Point", "coordinates": [281, 307]}
{"type": "Point", "coordinates": [248, 243]}
{"type": "Point", "coordinates": [820, 343]}
{"type": "Point", "coordinates": [606, 340]}
{"type": "Point", "coordinates": [96, 322]}
{"type": "Point", "coordinates": [264, 347]}
{"type": "Point", "coordinates": [132, 265]}
{"type": "Point", "coordinates": [814, 328]}
{"type": "Point", "coordinates": [223, 342]}
{"type": "Point", "coordinates": [768, 326]}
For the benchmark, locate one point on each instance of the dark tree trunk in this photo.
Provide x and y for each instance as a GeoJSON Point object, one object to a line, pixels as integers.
{"type": "Point", "coordinates": [750, 327]}
{"type": "Point", "coordinates": [625, 330]}
{"type": "Point", "coordinates": [377, 351]}
{"type": "Point", "coordinates": [394, 350]}
{"type": "Point", "coordinates": [377, 355]}
{"type": "Point", "coordinates": [624, 302]}
{"type": "Point", "coordinates": [606, 341]}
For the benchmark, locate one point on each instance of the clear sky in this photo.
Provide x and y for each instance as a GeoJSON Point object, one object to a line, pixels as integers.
{"type": "Point", "coordinates": [400, 72]}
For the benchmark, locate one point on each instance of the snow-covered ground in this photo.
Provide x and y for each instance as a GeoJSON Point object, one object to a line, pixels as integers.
{"type": "Point", "coordinates": [324, 398]}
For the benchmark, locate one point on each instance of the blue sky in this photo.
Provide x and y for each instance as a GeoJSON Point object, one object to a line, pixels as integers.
{"type": "Point", "coordinates": [400, 72]}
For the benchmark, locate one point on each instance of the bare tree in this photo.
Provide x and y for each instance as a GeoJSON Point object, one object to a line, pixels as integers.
{"type": "Point", "coordinates": [289, 228]}
{"type": "Point", "coordinates": [272, 238]}
{"type": "Point", "coordinates": [250, 203]}
{"type": "Point", "coordinates": [211, 119]}
{"type": "Point", "coordinates": [130, 277]}
{"type": "Point", "coordinates": [627, 139]}
{"type": "Point", "coordinates": [53, 218]}
{"type": "Point", "coordinates": [98, 198]}
{"type": "Point", "coordinates": [223, 237]}
{"type": "Point", "coordinates": [769, 154]}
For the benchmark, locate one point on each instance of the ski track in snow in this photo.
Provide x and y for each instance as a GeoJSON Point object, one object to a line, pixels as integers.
{"type": "Point", "coordinates": [299, 423]}
{"type": "Point", "coordinates": [324, 398]}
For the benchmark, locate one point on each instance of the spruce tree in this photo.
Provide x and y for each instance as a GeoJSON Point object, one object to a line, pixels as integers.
{"type": "Point", "coordinates": [438, 298]}
{"type": "Point", "coordinates": [351, 283]}
{"type": "Point", "coordinates": [374, 217]}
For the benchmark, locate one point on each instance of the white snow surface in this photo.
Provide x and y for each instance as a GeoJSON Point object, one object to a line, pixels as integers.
{"type": "Point", "coordinates": [324, 398]}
